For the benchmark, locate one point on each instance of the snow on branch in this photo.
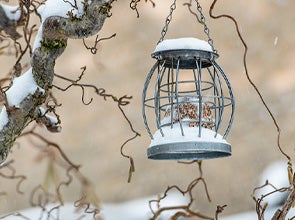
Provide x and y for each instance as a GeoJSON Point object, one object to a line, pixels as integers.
{"type": "Point", "coordinates": [10, 19]}
{"type": "Point", "coordinates": [60, 20]}
{"type": "Point", "coordinates": [13, 13]}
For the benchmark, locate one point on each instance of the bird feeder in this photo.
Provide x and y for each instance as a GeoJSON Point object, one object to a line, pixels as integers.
{"type": "Point", "coordinates": [188, 99]}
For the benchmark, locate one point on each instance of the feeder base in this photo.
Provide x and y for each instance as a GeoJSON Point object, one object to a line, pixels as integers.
{"type": "Point", "coordinates": [189, 151]}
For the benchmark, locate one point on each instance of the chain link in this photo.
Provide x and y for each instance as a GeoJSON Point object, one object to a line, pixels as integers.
{"type": "Point", "coordinates": [206, 29]}
{"type": "Point", "coordinates": [202, 19]}
{"type": "Point", "coordinates": [167, 22]}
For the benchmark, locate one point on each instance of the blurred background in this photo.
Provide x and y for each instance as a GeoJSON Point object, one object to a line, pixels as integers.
{"type": "Point", "coordinates": [92, 135]}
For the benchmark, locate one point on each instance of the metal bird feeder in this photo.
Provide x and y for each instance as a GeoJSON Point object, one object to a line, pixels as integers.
{"type": "Point", "coordinates": [187, 97]}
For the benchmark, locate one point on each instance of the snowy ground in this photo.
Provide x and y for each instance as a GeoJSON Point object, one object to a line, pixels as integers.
{"type": "Point", "coordinates": [276, 174]}
{"type": "Point", "coordinates": [253, 216]}
{"type": "Point", "coordinates": [138, 209]}
{"type": "Point", "coordinates": [131, 210]}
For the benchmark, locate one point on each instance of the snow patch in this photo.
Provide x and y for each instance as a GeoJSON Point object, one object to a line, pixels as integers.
{"type": "Point", "coordinates": [12, 12]}
{"type": "Point", "coordinates": [137, 209]}
{"type": "Point", "coordinates": [53, 120]}
{"type": "Point", "coordinates": [38, 39]}
{"type": "Point", "coordinates": [61, 8]}
{"type": "Point", "coordinates": [191, 134]}
{"type": "Point", "coordinates": [277, 175]}
{"type": "Point", "coordinates": [252, 215]}
{"type": "Point", "coordinates": [188, 43]}
{"type": "Point", "coordinates": [276, 41]}
{"type": "Point", "coordinates": [22, 87]}
{"type": "Point", "coordinates": [3, 118]}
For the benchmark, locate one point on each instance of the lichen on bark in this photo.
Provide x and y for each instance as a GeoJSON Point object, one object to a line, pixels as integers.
{"type": "Point", "coordinates": [55, 33]}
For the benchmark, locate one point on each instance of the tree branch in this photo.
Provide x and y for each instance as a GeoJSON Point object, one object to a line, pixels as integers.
{"type": "Point", "coordinates": [289, 203]}
{"type": "Point", "coordinates": [10, 19]}
{"type": "Point", "coordinates": [22, 103]}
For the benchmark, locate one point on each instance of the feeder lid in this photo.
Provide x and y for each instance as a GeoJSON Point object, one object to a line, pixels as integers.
{"type": "Point", "coordinates": [187, 50]}
{"type": "Point", "coordinates": [187, 43]}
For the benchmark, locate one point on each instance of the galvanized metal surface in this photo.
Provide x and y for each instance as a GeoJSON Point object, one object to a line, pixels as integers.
{"type": "Point", "coordinates": [189, 151]}
{"type": "Point", "coordinates": [188, 58]}
{"type": "Point", "coordinates": [207, 85]}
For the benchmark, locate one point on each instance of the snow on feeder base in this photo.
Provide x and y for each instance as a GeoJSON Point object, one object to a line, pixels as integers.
{"type": "Point", "coordinates": [192, 101]}
{"type": "Point", "coordinates": [174, 146]}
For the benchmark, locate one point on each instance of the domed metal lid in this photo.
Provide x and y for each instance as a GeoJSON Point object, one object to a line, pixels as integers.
{"type": "Point", "coordinates": [186, 57]}
{"type": "Point", "coordinates": [185, 50]}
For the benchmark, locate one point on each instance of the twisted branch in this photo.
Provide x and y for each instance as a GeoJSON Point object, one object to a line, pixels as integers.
{"type": "Point", "coordinates": [185, 210]}
{"type": "Point", "coordinates": [280, 214]}
{"type": "Point", "coordinates": [55, 32]}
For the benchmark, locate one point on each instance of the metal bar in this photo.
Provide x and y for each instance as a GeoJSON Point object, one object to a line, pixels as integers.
{"type": "Point", "coordinates": [231, 98]}
{"type": "Point", "coordinates": [200, 95]}
{"type": "Point", "coordinates": [177, 98]}
{"type": "Point", "coordinates": [146, 84]}
{"type": "Point", "coordinates": [215, 95]}
{"type": "Point", "coordinates": [172, 92]}
{"type": "Point", "coordinates": [221, 103]}
{"type": "Point", "coordinates": [157, 97]}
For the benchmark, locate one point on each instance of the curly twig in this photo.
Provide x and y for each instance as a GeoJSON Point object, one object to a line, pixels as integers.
{"type": "Point", "coordinates": [94, 48]}
{"type": "Point", "coordinates": [17, 214]}
{"type": "Point", "coordinates": [184, 210]}
{"type": "Point", "coordinates": [50, 44]}
{"type": "Point", "coordinates": [13, 176]}
{"type": "Point", "coordinates": [279, 214]}
{"type": "Point", "coordinates": [189, 6]}
{"type": "Point", "coordinates": [122, 101]}
{"type": "Point", "coordinates": [51, 144]}
{"type": "Point", "coordinates": [136, 134]}
{"type": "Point", "coordinates": [248, 76]}
{"type": "Point", "coordinates": [260, 209]}
{"type": "Point", "coordinates": [133, 5]}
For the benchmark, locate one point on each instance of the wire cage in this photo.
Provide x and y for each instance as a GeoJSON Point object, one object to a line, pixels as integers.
{"type": "Point", "coordinates": [192, 102]}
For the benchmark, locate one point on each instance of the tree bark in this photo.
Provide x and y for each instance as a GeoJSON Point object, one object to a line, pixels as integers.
{"type": "Point", "coordinates": [56, 31]}
{"type": "Point", "coordinates": [281, 214]}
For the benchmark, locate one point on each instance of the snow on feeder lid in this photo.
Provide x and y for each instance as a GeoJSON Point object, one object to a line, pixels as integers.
{"type": "Point", "coordinates": [189, 43]}
{"type": "Point", "coordinates": [192, 101]}
{"type": "Point", "coordinates": [187, 49]}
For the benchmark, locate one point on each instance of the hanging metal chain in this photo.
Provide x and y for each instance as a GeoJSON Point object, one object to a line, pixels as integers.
{"type": "Point", "coordinates": [202, 19]}
{"type": "Point", "coordinates": [167, 22]}
{"type": "Point", "coordinates": [206, 29]}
